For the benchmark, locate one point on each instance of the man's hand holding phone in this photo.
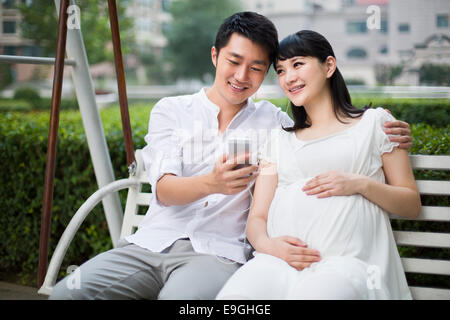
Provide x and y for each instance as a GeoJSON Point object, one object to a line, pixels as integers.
{"type": "Point", "coordinates": [228, 178]}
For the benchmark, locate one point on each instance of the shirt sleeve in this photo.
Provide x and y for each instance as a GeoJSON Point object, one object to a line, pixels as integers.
{"type": "Point", "coordinates": [284, 119]}
{"type": "Point", "coordinates": [269, 149]}
{"type": "Point", "coordinates": [381, 138]}
{"type": "Point", "coordinates": [162, 153]}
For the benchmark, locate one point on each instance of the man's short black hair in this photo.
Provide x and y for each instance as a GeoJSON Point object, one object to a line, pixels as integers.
{"type": "Point", "coordinates": [253, 26]}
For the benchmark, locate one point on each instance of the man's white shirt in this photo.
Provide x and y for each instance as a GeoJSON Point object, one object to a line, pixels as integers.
{"type": "Point", "coordinates": [183, 139]}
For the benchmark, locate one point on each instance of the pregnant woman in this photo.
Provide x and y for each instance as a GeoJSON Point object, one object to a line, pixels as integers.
{"type": "Point", "coordinates": [319, 218]}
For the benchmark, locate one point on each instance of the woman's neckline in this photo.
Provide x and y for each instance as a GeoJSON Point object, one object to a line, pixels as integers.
{"type": "Point", "coordinates": [329, 135]}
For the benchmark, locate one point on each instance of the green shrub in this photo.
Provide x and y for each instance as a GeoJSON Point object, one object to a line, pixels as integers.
{"type": "Point", "coordinates": [434, 74]}
{"type": "Point", "coordinates": [66, 104]}
{"type": "Point", "coordinates": [28, 94]}
{"type": "Point", "coordinates": [23, 144]}
{"type": "Point", "coordinates": [25, 93]}
{"type": "Point", "coordinates": [430, 140]}
{"type": "Point", "coordinates": [434, 112]}
{"type": "Point", "coordinates": [14, 105]}
{"type": "Point", "coordinates": [354, 82]}
{"type": "Point", "coordinates": [430, 111]}
{"type": "Point", "coordinates": [6, 76]}
{"type": "Point", "coordinates": [43, 104]}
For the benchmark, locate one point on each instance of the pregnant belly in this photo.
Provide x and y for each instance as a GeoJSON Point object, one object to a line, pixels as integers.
{"type": "Point", "coordinates": [336, 226]}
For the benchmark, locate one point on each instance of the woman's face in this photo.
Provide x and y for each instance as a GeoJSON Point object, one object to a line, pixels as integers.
{"type": "Point", "coordinates": [303, 79]}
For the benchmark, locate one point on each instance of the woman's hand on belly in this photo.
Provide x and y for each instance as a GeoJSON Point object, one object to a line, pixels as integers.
{"type": "Point", "coordinates": [293, 251]}
{"type": "Point", "coordinates": [335, 183]}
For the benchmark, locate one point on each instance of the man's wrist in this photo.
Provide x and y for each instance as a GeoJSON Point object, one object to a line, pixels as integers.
{"type": "Point", "coordinates": [209, 185]}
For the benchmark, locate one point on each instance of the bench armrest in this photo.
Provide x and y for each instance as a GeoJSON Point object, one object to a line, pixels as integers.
{"type": "Point", "coordinates": [74, 225]}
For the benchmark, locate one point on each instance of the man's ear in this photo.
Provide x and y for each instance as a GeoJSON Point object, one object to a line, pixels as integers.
{"type": "Point", "coordinates": [331, 66]}
{"type": "Point", "coordinates": [214, 55]}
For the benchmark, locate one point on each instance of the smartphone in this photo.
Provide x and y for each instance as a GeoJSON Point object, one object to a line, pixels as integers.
{"type": "Point", "coordinates": [237, 147]}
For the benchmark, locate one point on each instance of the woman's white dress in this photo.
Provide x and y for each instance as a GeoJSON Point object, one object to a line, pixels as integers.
{"type": "Point", "coordinates": [353, 235]}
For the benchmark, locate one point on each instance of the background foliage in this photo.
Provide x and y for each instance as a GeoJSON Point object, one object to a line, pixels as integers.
{"type": "Point", "coordinates": [192, 33]}
{"type": "Point", "coordinates": [40, 23]}
{"type": "Point", "coordinates": [435, 74]}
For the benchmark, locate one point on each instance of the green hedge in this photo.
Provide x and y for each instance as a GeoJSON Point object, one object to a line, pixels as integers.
{"type": "Point", "coordinates": [429, 111]}
{"type": "Point", "coordinates": [23, 143]}
{"type": "Point", "coordinates": [434, 112]}
{"type": "Point", "coordinates": [14, 105]}
{"type": "Point", "coordinates": [11, 105]}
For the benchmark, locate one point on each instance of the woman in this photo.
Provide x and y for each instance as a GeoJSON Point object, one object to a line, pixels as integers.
{"type": "Point", "coordinates": [318, 220]}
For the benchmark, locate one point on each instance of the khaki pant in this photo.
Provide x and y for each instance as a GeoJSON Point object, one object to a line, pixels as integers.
{"type": "Point", "coordinates": [132, 272]}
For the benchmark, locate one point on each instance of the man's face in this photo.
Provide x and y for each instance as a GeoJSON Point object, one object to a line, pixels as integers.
{"type": "Point", "coordinates": [240, 69]}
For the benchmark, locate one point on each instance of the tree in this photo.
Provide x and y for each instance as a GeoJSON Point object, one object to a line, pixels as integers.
{"type": "Point", "coordinates": [6, 77]}
{"type": "Point", "coordinates": [386, 74]}
{"type": "Point", "coordinates": [435, 74]}
{"type": "Point", "coordinates": [191, 34]}
{"type": "Point", "coordinates": [40, 22]}
{"type": "Point", "coordinates": [154, 68]}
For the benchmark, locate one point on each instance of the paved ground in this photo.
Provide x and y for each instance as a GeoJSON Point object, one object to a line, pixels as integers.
{"type": "Point", "coordinates": [11, 291]}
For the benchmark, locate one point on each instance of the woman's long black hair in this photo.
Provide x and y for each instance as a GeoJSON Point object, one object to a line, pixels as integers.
{"type": "Point", "coordinates": [309, 43]}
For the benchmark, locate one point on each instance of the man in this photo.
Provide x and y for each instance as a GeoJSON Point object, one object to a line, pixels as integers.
{"type": "Point", "coordinates": [193, 236]}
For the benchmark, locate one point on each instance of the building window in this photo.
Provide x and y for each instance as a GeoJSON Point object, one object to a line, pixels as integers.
{"type": "Point", "coordinates": [166, 28]}
{"type": "Point", "coordinates": [384, 26]}
{"type": "Point", "coordinates": [442, 20]}
{"type": "Point", "coordinates": [9, 50]}
{"type": "Point", "coordinates": [9, 27]}
{"type": "Point", "coordinates": [8, 4]}
{"type": "Point", "coordinates": [348, 3]}
{"type": "Point", "coordinates": [354, 27]}
{"type": "Point", "coordinates": [27, 2]}
{"type": "Point", "coordinates": [383, 50]}
{"type": "Point", "coordinates": [146, 3]}
{"type": "Point", "coordinates": [165, 5]}
{"type": "Point", "coordinates": [144, 24]}
{"type": "Point", "coordinates": [33, 51]}
{"type": "Point", "coordinates": [403, 27]}
{"type": "Point", "coordinates": [357, 53]}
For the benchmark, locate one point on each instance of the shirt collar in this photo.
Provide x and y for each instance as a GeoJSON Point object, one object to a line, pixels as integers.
{"type": "Point", "coordinates": [250, 106]}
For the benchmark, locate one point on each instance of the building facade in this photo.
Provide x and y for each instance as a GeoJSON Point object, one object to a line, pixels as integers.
{"type": "Point", "coordinates": [419, 34]}
{"type": "Point", "coordinates": [150, 18]}
{"type": "Point", "coordinates": [369, 36]}
{"type": "Point", "coordinates": [11, 41]}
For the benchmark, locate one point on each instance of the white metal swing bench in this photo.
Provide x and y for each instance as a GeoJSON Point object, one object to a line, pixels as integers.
{"type": "Point", "coordinates": [136, 198]}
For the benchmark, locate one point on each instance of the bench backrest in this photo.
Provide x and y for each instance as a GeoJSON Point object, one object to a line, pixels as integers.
{"type": "Point", "coordinates": [137, 199]}
{"type": "Point", "coordinates": [422, 239]}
